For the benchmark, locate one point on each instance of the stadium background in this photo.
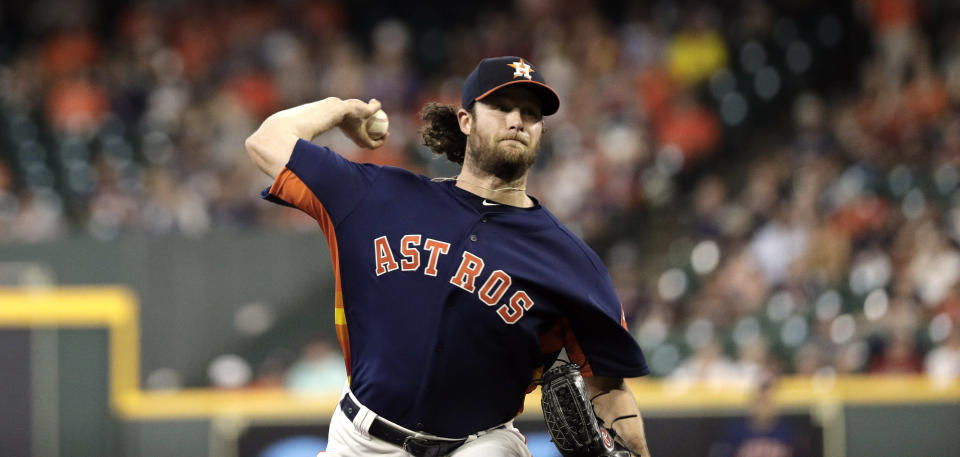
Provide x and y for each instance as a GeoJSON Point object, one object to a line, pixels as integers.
{"type": "Point", "coordinates": [773, 186]}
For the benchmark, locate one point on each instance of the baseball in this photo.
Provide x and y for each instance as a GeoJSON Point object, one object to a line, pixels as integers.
{"type": "Point", "coordinates": [377, 125]}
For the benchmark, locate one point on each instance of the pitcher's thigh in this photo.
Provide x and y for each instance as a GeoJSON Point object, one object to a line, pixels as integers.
{"type": "Point", "coordinates": [496, 443]}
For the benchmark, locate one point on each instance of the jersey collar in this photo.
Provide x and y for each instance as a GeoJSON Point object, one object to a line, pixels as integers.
{"type": "Point", "coordinates": [483, 205]}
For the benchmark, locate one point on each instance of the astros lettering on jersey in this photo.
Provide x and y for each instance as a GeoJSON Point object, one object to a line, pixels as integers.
{"type": "Point", "coordinates": [448, 306]}
{"type": "Point", "coordinates": [464, 277]}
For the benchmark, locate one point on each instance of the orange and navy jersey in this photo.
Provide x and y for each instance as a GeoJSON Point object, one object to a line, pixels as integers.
{"type": "Point", "coordinates": [449, 305]}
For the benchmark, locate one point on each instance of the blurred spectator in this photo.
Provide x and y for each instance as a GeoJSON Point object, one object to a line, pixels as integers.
{"type": "Point", "coordinates": [851, 358]}
{"type": "Point", "coordinates": [39, 217]}
{"type": "Point", "coordinates": [935, 266]}
{"type": "Point", "coordinates": [808, 360]}
{"type": "Point", "coordinates": [709, 365]}
{"type": "Point", "coordinates": [740, 283]}
{"type": "Point", "coordinates": [69, 52]}
{"type": "Point", "coordinates": [902, 317]}
{"type": "Point", "coordinates": [229, 371]}
{"type": "Point", "coordinates": [709, 207]}
{"type": "Point", "coordinates": [777, 244]}
{"type": "Point", "coordinates": [697, 50]}
{"type": "Point", "coordinates": [76, 106]}
{"type": "Point", "coordinates": [271, 373]}
{"type": "Point", "coordinates": [173, 208]}
{"type": "Point", "coordinates": [898, 356]}
{"type": "Point", "coordinates": [319, 368]}
{"type": "Point", "coordinates": [763, 433]}
{"type": "Point", "coordinates": [893, 23]}
{"type": "Point", "coordinates": [691, 128]}
{"type": "Point", "coordinates": [950, 305]}
{"type": "Point", "coordinates": [753, 363]}
{"type": "Point", "coordinates": [942, 364]}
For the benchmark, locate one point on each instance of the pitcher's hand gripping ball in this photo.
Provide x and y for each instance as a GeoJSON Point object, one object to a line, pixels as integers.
{"type": "Point", "coordinates": [570, 419]}
{"type": "Point", "coordinates": [376, 125]}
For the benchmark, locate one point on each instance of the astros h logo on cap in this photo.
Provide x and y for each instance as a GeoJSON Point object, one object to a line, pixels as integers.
{"type": "Point", "coordinates": [523, 69]}
{"type": "Point", "coordinates": [495, 73]}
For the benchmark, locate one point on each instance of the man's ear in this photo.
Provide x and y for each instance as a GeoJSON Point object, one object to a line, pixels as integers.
{"type": "Point", "coordinates": [466, 121]}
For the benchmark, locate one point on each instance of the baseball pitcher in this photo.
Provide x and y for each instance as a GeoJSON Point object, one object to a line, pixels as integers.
{"type": "Point", "coordinates": [455, 295]}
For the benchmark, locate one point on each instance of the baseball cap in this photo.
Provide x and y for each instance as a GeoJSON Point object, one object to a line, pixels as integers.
{"type": "Point", "coordinates": [495, 73]}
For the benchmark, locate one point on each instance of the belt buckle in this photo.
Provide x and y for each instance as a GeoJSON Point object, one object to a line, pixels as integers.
{"type": "Point", "coordinates": [419, 447]}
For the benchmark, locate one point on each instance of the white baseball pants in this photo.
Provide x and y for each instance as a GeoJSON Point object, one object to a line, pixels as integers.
{"type": "Point", "coordinates": [350, 439]}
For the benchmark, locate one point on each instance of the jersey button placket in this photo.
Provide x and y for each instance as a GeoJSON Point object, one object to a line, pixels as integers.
{"type": "Point", "coordinates": [473, 237]}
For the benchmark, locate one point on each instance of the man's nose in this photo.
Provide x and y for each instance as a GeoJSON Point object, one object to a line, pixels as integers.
{"type": "Point", "coordinates": [515, 120]}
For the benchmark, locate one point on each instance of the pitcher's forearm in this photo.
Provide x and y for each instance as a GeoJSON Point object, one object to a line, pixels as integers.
{"type": "Point", "coordinates": [616, 407]}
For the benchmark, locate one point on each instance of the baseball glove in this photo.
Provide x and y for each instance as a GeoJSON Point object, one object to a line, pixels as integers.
{"type": "Point", "coordinates": [570, 419]}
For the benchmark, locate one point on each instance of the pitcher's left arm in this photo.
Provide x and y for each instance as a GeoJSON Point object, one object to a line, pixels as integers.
{"type": "Point", "coordinates": [614, 404]}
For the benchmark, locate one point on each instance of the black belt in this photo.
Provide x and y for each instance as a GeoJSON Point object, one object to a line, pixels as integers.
{"type": "Point", "coordinates": [420, 447]}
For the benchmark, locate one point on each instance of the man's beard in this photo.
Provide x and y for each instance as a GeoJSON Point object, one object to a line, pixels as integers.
{"type": "Point", "coordinates": [494, 158]}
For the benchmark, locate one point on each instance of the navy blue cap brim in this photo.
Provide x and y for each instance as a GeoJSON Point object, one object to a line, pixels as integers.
{"type": "Point", "coordinates": [549, 100]}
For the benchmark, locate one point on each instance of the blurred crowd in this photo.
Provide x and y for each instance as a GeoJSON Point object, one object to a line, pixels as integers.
{"type": "Point", "coordinates": [317, 366]}
{"type": "Point", "coordinates": [140, 129]}
{"type": "Point", "coordinates": [832, 249]}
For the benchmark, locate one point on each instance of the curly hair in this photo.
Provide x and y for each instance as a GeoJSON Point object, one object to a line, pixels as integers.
{"type": "Point", "coordinates": [441, 131]}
